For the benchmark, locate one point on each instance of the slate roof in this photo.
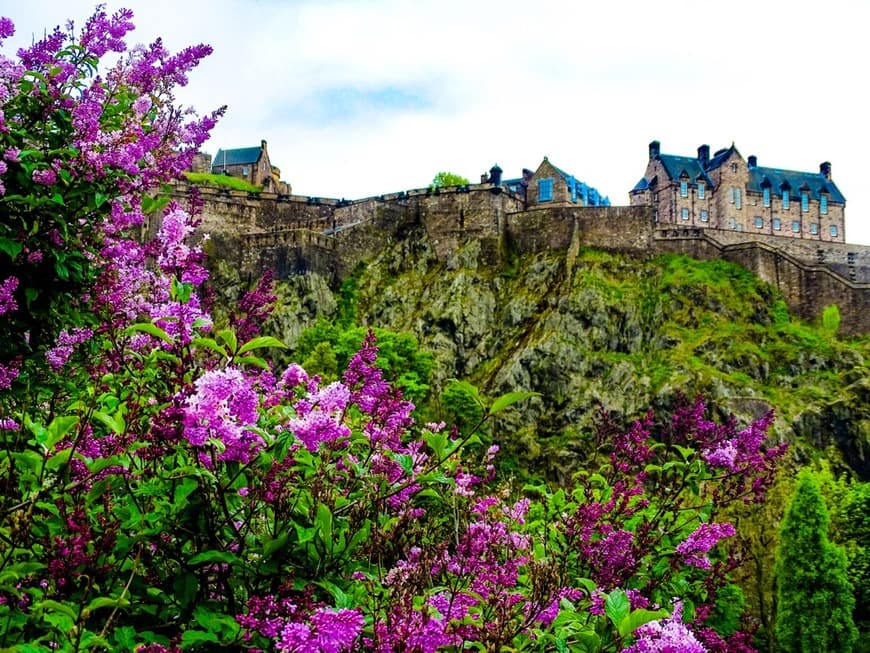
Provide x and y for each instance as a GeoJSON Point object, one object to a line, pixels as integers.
{"type": "Point", "coordinates": [237, 157]}
{"type": "Point", "coordinates": [592, 196]}
{"type": "Point", "coordinates": [814, 182]}
{"type": "Point", "coordinates": [675, 166]}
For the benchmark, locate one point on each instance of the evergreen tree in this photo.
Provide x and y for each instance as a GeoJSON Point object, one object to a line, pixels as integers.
{"type": "Point", "coordinates": [814, 595]}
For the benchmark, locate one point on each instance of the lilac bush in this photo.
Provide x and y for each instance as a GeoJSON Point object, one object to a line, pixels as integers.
{"type": "Point", "coordinates": [166, 489]}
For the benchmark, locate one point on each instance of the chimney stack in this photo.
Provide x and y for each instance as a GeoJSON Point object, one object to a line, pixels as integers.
{"type": "Point", "coordinates": [704, 155]}
{"type": "Point", "coordinates": [752, 161]}
{"type": "Point", "coordinates": [825, 169]}
{"type": "Point", "coordinates": [655, 149]}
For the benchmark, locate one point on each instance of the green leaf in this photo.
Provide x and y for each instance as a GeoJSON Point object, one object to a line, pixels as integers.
{"type": "Point", "coordinates": [280, 542]}
{"type": "Point", "coordinates": [259, 343]}
{"type": "Point", "coordinates": [323, 522]}
{"type": "Point", "coordinates": [58, 460]}
{"type": "Point", "coordinates": [11, 247]}
{"type": "Point", "coordinates": [638, 618]}
{"type": "Point", "coordinates": [57, 430]}
{"type": "Point", "coordinates": [107, 602]}
{"type": "Point", "coordinates": [252, 360]}
{"type": "Point", "coordinates": [617, 606]}
{"type": "Point", "coordinates": [229, 337]}
{"type": "Point", "coordinates": [55, 606]}
{"type": "Point", "coordinates": [212, 556]}
{"type": "Point", "coordinates": [192, 638]}
{"type": "Point", "coordinates": [100, 199]}
{"type": "Point", "coordinates": [510, 399]}
{"type": "Point", "coordinates": [115, 422]}
{"type": "Point", "coordinates": [185, 588]}
{"type": "Point", "coordinates": [57, 198]}
{"type": "Point", "coordinates": [150, 329]}
{"type": "Point", "coordinates": [437, 442]}
{"type": "Point", "coordinates": [209, 343]}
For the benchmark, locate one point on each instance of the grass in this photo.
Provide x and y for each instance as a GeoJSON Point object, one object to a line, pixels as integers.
{"type": "Point", "coordinates": [221, 181]}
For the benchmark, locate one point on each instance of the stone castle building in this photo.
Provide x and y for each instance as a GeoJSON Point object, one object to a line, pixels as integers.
{"type": "Point", "coordinates": [728, 192]}
{"type": "Point", "coordinates": [251, 164]}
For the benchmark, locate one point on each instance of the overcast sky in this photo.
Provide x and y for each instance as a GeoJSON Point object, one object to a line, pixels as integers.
{"type": "Point", "coordinates": [371, 96]}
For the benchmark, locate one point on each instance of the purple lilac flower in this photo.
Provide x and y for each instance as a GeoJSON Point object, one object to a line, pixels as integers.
{"type": "Point", "coordinates": [9, 424]}
{"type": "Point", "coordinates": [8, 373]}
{"type": "Point", "coordinates": [66, 342]}
{"type": "Point", "coordinates": [223, 407]}
{"type": "Point", "coordinates": [698, 544]}
{"type": "Point", "coordinates": [666, 636]}
{"type": "Point", "coordinates": [46, 177]}
{"type": "Point", "coordinates": [7, 295]}
{"type": "Point", "coordinates": [7, 28]}
{"type": "Point", "coordinates": [329, 631]}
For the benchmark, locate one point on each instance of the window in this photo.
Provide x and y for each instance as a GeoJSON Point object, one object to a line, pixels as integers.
{"type": "Point", "coordinates": [704, 216]}
{"type": "Point", "coordinates": [545, 190]}
{"type": "Point", "coordinates": [814, 228]}
{"type": "Point", "coordinates": [684, 189]}
{"type": "Point", "coordinates": [246, 171]}
{"type": "Point", "coordinates": [732, 223]}
{"type": "Point", "coordinates": [796, 226]}
{"type": "Point", "coordinates": [833, 231]}
{"type": "Point", "coordinates": [738, 202]}
{"type": "Point", "coordinates": [685, 214]}
{"type": "Point", "coordinates": [805, 202]}
{"type": "Point", "coordinates": [759, 222]}
{"type": "Point", "coordinates": [785, 200]}
{"type": "Point", "coordinates": [766, 197]}
{"type": "Point", "coordinates": [776, 224]}
{"type": "Point", "coordinates": [700, 190]}
{"type": "Point", "coordinates": [823, 203]}
{"type": "Point", "coordinates": [731, 194]}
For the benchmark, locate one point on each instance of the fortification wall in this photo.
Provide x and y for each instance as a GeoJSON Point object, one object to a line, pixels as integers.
{"type": "Point", "coordinates": [295, 234]}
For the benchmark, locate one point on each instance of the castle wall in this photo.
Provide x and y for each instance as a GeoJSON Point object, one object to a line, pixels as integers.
{"type": "Point", "coordinates": [294, 235]}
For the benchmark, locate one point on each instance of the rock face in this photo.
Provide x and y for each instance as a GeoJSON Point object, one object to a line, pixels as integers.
{"type": "Point", "coordinates": [590, 329]}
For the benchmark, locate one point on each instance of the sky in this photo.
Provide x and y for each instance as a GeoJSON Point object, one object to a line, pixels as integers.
{"type": "Point", "coordinates": [364, 97]}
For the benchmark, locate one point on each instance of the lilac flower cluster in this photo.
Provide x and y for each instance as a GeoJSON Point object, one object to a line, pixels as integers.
{"type": "Point", "coordinates": [666, 636]}
{"type": "Point", "coordinates": [223, 408]}
{"type": "Point", "coordinates": [7, 295]}
{"type": "Point", "coordinates": [67, 340]}
{"type": "Point", "coordinates": [694, 548]}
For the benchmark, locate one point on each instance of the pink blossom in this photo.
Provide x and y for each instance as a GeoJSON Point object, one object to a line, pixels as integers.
{"type": "Point", "coordinates": [47, 176]}
{"type": "Point", "coordinates": [7, 295]}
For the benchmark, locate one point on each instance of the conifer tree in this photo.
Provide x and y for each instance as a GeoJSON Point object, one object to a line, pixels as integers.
{"type": "Point", "coordinates": [814, 595]}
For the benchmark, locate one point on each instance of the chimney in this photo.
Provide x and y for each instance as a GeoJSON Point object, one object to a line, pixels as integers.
{"type": "Point", "coordinates": [495, 175]}
{"type": "Point", "coordinates": [484, 178]}
{"type": "Point", "coordinates": [655, 149]}
{"type": "Point", "coordinates": [263, 145]}
{"type": "Point", "coordinates": [704, 155]}
{"type": "Point", "coordinates": [752, 161]}
{"type": "Point", "coordinates": [825, 169]}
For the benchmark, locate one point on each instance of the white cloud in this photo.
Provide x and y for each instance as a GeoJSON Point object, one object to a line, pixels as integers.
{"type": "Point", "coordinates": [371, 96]}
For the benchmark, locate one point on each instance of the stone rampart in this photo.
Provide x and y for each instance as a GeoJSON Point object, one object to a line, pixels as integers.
{"type": "Point", "coordinates": [292, 234]}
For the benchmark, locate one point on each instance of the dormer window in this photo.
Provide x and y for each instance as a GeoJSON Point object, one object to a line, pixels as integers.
{"type": "Point", "coordinates": [805, 202]}
{"type": "Point", "coordinates": [766, 192]}
{"type": "Point", "coordinates": [823, 204]}
{"type": "Point", "coordinates": [545, 190]}
{"type": "Point", "coordinates": [785, 200]}
{"type": "Point", "coordinates": [700, 190]}
{"type": "Point", "coordinates": [684, 188]}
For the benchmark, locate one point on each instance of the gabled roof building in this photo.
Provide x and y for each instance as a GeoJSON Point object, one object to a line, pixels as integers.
{"type": "Point", "coordinates": [726, 191]}
{"type": "Point", "coordinates": [249, 163]}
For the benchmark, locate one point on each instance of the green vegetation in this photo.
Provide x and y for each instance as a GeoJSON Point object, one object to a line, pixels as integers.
{"type": "Point", "coordinates": [443, 179]}
{"type": "Point", "coordinates": [814, 595]}
{"type": "Point", "coordinates": [221, 181]}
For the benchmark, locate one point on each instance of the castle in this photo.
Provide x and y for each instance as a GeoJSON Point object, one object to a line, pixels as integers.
{"type": "Point", "coordinates": [726, 191]}
{"type": "Point", "coordinates": [549, 209]}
